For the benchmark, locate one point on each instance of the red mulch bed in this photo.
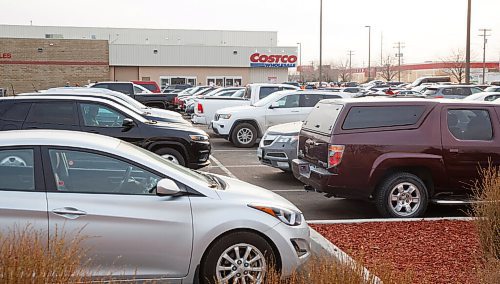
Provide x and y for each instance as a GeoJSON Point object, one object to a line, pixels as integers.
{"type": "Point", "coordinates": [431, 251]}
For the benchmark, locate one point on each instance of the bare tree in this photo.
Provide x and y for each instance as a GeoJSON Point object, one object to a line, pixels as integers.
{"type": "Point", "coordinates": [455, 65]}
{"type": "Point", "coordinates": [387, 69]}
{"type": "Point", "coordinates": [344, 72]}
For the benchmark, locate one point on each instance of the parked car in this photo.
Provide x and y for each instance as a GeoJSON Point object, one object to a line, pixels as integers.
{"type": "Point", "coordinates": [152, 86]}
{"type": "Point", "coordinates": [155, 114]}
{"type": "Point", "coordinates": [278, 146]}
{"type": "Point", "coordinates": [205, 108]}
{"type": "Point", "coordinates": [175, 87]}
{"type": "Point", "coordinates": [245, 124]}
{"type": "Point", "coordinates": [146, 217]}
{"type": "Point", "coordinates": [492, 89]}
{"type": "Point", "coordinates": [431, 79]}
{"type": "Point", "coordinates": [402, 154]}
{"type": "Point", "coordinates": [139, 93]}
{"type": "Point", "coordinates": [180, 144]}
{"type": "Point", "coordinates": [451, 91]}
{"type": "Point", "coordinates": [238, 93]}
{"type": "Point", "coordinates": [483, 96]}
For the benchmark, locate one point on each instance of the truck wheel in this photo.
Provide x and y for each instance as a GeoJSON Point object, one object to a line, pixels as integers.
{"type": "Point", "coordinates": [240, 257]}
{"type": "Point", "coordinates": [402, 195]}
{"type": "Point", "coordinates": [244, 135]}
{"type": "Point", "coordinates": [172, 155]}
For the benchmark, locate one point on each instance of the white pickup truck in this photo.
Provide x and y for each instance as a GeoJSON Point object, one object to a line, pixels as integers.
{"type": "Point", "coordinates": [204, 109]}
{"type": "Point", "coordinates": [244, 124]}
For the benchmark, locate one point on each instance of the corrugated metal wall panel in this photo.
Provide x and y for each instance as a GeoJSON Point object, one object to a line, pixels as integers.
{"type": "Point", "coordinates": [146, 36]}
{"type": "Point", "coordinates": [219, 56]}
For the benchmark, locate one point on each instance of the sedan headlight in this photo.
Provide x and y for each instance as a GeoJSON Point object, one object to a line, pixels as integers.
{"type": "Point", "coordinates": [225, 116]}
{"type": "Point", "coordinates": [288, 139]}
{"type": "Point", "coordinates": [287, 216]}
{"type": "Point", "coordinates": [199, 138]}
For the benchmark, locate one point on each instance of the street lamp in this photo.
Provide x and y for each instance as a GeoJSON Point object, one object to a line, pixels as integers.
{"type": "Point", "coordinates": [300, 61]}
{"type": "Point", "coordinates": [369, 49]}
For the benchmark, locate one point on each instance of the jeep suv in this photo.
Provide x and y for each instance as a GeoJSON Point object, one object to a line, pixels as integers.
{"type": "Point", "coordinates": [400, 153]}
{"type": "Point", "coordinates": [180, 144]}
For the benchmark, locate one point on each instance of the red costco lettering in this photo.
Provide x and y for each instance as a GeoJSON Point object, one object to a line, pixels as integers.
{"type": "Point", "coordinates": [5, 55]}
{"type": "Point", "coordinates": [274, 58]}
{"type": "Point", "coordinates": [254, 57]}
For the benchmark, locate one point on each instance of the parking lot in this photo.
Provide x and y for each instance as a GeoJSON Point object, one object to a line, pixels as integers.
{"type": "Point", "coordinates": [244, 165]}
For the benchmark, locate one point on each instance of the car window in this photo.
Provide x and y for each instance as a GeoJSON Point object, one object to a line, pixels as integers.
{"type": "Point", "coordinates": [266, 91]}
{"type": "Point", "coordinates": [470, 124]}
{"type": "Point", "coordinates": [95, 115]}
{"type": "Point", "coordinates": [17, 170]}
{"type": "Point", "coordinates": [475, 90]}
{"type": "Point", "coordinates": [14, 111]}
{"type": "Point", "coordinates": [150, 87]}
{"type": "Point", "coordinates": [124, 88]}
{"type": "Point", "coordinates": [61, 113]}
{"type": "Point", "coordinates": [491, 98]}
{"type": "Point", "coordinates": [323, 118]}
{"type": "Point", "coordinates": [84, 172]}
{"type": "Point", "coordinates": [290, 101]}
{"type": "Point", "coordinates": [310, 100]}
{"type": "Point", "coordinates": [385, 116]}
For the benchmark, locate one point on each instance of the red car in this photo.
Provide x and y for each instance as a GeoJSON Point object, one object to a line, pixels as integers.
{"type": "Point", "coordinates": [150, 85]}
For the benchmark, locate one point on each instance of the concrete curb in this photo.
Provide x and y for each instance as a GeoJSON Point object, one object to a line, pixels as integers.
{"type": "Point", "coordinates": [320, 246]}
{"type": "Point", "coordinates": [354, 221]}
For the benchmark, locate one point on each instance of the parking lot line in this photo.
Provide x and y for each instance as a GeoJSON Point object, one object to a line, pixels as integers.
{"type": "Point", "coordinates": [352, 221]}
{"type": "Point", "coordinates": [221, 166]}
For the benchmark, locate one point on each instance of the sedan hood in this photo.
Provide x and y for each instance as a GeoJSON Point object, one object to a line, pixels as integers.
{"type": "Point", "coordinates": [244, 192]}
{"type": "Point", "coordinates": [179, 127]}
{"type": "Point", "coordinates": [163, 113]}
{"type": "Point", "coordinates": [286, 128]}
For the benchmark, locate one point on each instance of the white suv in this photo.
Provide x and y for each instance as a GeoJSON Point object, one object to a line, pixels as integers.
{"type": "Point", "coordinates": [243, 125]}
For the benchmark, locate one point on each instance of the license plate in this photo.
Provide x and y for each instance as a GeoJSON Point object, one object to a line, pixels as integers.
{"type": "Point", "coordinates": [260, 153]}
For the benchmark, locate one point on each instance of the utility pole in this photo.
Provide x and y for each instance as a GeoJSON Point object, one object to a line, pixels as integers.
{"type": "Point", "coordinates": [399, 45]}
{"type": "Point", "coordinates": [320, 40]}
{"type": "Point", "coordinates": [467, 44]}
{"type": "Point", "coordinates": [369, 50]}
{"type": "Point", "coordinates": [350, 53]}
{"type": "Point", "coordinates": [485, 39]}
{"type": "Point", "coordinates": [300, 61]}
{"type": "Point", "coordinates": [381, 48]}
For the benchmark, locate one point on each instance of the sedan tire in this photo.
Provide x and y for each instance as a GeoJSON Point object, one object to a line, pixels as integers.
{"type": "Point", "coordinates": [240, 257]}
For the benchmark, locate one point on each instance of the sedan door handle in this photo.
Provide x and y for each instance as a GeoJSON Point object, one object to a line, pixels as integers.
{"type": "Point", "coordinates": [294, 111]}
{"type": "Point", "coordinates": [454, 151]}
{"type": "Point", "coordinates": [69, 212]}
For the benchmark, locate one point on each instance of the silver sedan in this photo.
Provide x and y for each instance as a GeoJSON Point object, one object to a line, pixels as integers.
{"type": "Point", "coordinates": [146, 217]}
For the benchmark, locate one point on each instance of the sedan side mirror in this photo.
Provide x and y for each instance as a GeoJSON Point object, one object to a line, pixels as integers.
{"type": "Point", "coordinates": [167, 187]}
{"type": "Point", "coordinates": [128, 123]}
{"type": "Point", "coordinates": [274, 105]}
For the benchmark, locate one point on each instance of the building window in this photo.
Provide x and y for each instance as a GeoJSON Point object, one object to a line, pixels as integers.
{"type": "Point", "coordinates": [54, 36]}
{"type": "Point", "coordinates": [224, 81]}
{"type": "Point", "coordinates": [177, 80]}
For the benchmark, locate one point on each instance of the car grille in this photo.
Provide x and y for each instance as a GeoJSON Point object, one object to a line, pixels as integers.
{"type": "Point", "coordinates": [276, 155]}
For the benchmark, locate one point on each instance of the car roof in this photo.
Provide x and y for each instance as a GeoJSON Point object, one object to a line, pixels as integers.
{"type": "Point", "coordinates": [58, 138]}
{"type": "Point", "coordinates": [366, 101]}
{"type": "Point", "coordinates": [451, 86]}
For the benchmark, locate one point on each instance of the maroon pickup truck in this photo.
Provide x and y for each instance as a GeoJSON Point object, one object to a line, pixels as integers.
{"type": "Point", "coordinates": [400, 153]}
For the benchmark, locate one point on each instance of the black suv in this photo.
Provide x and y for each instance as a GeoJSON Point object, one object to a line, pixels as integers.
{"type": "Point", "coordinates": [186, 146]}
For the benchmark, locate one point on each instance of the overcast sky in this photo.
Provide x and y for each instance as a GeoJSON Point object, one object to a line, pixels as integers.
{"type": "Point", "coordinates": [430, 29]}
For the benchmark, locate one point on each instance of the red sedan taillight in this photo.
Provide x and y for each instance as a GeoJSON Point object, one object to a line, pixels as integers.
{"type": "Point", "coordinates": [335, 153]}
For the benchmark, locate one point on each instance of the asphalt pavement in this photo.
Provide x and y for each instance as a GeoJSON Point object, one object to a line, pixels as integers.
{"type": "Point", "coordinates": [243, 164]}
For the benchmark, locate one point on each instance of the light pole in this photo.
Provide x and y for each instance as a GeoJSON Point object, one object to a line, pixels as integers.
{"type": "Point", "coordinates": [467, 45]}
{"type": "Point", "coordinates": [369, 49]}
{"type": "Point", "coordinates": [484, 35]}
{"type": "Point", "coordinates": [399, 45]}
{"type": "Point", "coordinates": [300, 61]}
{"type": "Point", "coordinates": [320, 40]}
{"type": "Point", "coordinates": [350, 53]}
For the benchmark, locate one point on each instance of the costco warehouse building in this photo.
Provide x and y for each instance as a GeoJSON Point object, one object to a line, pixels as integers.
{"type": "Point", "coordinates": [40, 57]}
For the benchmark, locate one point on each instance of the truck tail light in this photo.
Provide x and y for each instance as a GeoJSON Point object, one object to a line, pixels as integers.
{"type": "Point", "coordinates": [176, 101]}
{"type": "Point", "coordinates": [335, 153]}
{"type": "Point", "coordinates": [199, 107]}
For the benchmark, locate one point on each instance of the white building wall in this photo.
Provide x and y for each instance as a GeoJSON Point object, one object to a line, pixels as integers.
{"type": "Point", "coordinates": [176, 55]}
{"type": "Point", "coordinates": [146, 36]}
{"type": "Point", "coordinates": [268, 75]}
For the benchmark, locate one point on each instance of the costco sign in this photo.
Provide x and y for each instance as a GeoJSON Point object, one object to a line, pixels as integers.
{"type": "Point", "coordinates": [273, 60]}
